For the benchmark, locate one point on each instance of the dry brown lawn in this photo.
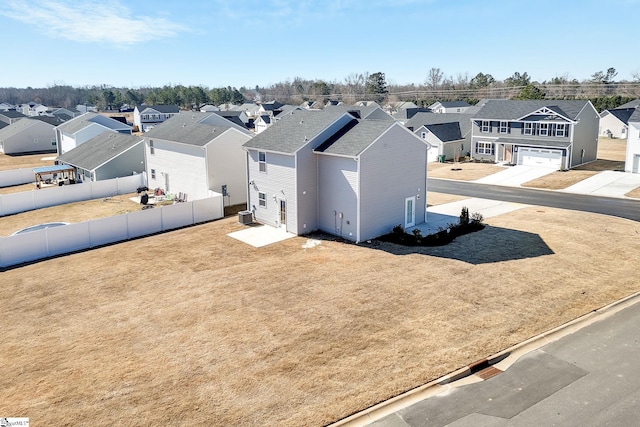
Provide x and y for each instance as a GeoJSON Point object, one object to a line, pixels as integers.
{"type": "Point", "coordinates": [8, 162]}
{"type": "Point", "coordinates": [71, 212]}
{"type": "Point", "coordinates": [464, 171]}
{"type": "Point", "coordinates": [196, 328]}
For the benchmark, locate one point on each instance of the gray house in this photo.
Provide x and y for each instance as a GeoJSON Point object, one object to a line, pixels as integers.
{"type": "Point", "coordinates": [448, 133]}
{"type": "Point", "coordinates": [106, 156]}
{"type": "Point", "coordinates": [327, 170]}
{"type": "Point", "coordinates": [28, 135]}
{"type": "Point", "coordinates": [551, 133]}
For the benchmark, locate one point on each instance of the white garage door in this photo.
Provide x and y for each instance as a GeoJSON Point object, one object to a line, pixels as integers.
{"type": "Point", "coordinates": [540, 157]}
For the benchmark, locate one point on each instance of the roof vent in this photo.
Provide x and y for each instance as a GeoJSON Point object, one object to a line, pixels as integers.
{"type": "Point", "coordinates": [301, 121]}
{"type": "Point", "coordinates": [184, 125]}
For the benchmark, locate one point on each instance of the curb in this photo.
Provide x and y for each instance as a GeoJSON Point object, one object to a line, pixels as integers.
{"type": "Point", "coordinates": [466, 375]}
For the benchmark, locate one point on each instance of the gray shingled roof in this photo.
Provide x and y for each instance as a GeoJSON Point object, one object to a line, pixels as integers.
{"type": "Point", "coordinates": [80, 122]}
{"type": "Point", "coordinates": [622, 114]}
{"type": "Point", "coordinates": [446, 132]}
{"type": "Point", "coordinates": [291, 132]}
{"type": "Point", "coordinates": [99, 150]}
{"type": "Point", "coordinates": [160, 108]}
{"type": "Point", "coordinates": [632, 104]}
{"type": "Point", "coordinates": [20, 126]}
{"type": "Point", "coordinates": [187, 129]}
{"type": "Point", "coordinates": [635, 117]}
{"type": "Point", "coordinates": [453, 104]}
{"type": "Point", "coordinates": [355, 137]}
{"type": "Point", "coordinates": [12, 114]}
{"type": "Point", "coordinates": [423, 119]}
{"type": "Point", "coordinates": [362, 112]}
{"type": "Point", "coordinates": [506, 109]}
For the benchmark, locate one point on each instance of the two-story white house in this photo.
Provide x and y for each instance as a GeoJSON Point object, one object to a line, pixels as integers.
{"type": "Point", "coordinates": [146, 117]}
{"type": "Point", "coordinates": [197, 153]}
{"type": "Point", "coordinates": [330, 171]}
{"type": "Point", "coordinates": [82, 128]}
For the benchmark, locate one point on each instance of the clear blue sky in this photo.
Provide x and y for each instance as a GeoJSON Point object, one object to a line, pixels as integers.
{"type": "Point", "coordinates": [238, 43]}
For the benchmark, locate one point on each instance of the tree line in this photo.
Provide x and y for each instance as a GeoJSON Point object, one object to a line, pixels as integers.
{"type": "Point", "coordinates": [602, 89]}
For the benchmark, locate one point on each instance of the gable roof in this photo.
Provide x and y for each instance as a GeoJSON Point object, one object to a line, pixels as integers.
{"type": "Point", "coordinates": [354, 138]}
{"type": "Point", "coordinates": [450, 104]}
{"type": "Point", "coordinates": [293, 131]}
{"type": "Point", "coordinates": [507, 109]}
{"type": "Point", "coordinates": [188, 128]}
{"type": "Point", "coordinates": [99, 150]}
{"type": "Point", "coordinates": [87, 119]}
{"type": "Point", "coordinates": [631, 104]}
{"type": "Point", "coordinates": [12, 114]}
{"type": "Point", "coordinates": [446, 132]}
{"type": "Point", "coordinates": [159, 108]}
{"type": "Point", "coordinates": [423, 119]}
{"type": "Point", "coordinates": [362, 112]}
{"type": "Point", "coordinates": [621, 114]}
{"type": "Point", "coordinates": [22, 125]}
{"type": "Point", "coordinates": [635, 117]}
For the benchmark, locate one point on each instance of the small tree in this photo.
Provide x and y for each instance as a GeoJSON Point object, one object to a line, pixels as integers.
{"type": "Point", "coordinates": [464, 216]}
{"type": "Point", "coordinates": [531, 92]}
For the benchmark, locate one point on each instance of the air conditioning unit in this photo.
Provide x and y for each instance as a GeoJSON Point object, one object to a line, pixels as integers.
{"type": "Point", "coordinates": [245, 217]}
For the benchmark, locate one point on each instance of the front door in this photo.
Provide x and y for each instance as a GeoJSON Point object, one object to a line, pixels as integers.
{"type": "Point", "coordinates": [283, 214]}
{"type": "Point", "coordinates": [409, 212]}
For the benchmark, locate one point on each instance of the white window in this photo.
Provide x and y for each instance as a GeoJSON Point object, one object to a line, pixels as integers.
{"type": "Point", "coordinates": [151, 149]}
{"type": "Point", "coordinates": [485, 126]}
{"type": "Point", "coordinates": [504, 127]}
{"type": "Point", "coordinates": [262, 199]}
{"type": "Point", "coordinates": [484, 148]}
{"type": "Point", "coordinates": [544, 129]}
{"type": "Point", "coordinates": [153, 174]}
{"type": "Point", "coordinates": [561, 129]}
{"type": "Point", "coordinates": [528, 128]}
{"type": "Point", "coordinates": [262, 160]}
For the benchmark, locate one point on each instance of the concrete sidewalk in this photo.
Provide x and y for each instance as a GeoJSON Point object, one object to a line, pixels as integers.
{"type": "Point", "coordinates": [515, 176]}
{"type": "Point", "coordinates": [260, 235]}
{"type": "Point", "coordinates": [607, 183]}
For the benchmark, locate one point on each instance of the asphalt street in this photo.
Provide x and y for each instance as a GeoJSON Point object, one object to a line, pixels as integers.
{"type": "Point", "coordinates": [588, 378]}
{"type": "Point", "coordinates": [615, 206]}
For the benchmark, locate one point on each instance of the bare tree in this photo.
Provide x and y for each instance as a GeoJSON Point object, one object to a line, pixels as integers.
{"type": "Point", "coordinates": [434, 78]}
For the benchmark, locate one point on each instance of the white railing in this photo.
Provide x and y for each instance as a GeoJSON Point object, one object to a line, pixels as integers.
{"type": "Point", "coordinates": [35, 245]}
{"type": "Point", "coordinates": [37, 199]}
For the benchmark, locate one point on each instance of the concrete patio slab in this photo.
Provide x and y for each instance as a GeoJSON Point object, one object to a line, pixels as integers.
{"type": "Point", "coordinates": [261, 235]}
{"type": "Point", "coordinates": [516, 175]}
{"type": "Point", "coordinates": [607, 183]}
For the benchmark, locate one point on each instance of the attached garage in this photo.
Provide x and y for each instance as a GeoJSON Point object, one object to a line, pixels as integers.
{"type": "Point", "coordinates": [540, 157]}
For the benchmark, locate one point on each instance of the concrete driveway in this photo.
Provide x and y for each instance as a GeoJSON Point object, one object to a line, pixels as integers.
{"type": "Point", "coordinates": [516, 175]}
{"type": "Point", "coordinates": [607, 183]}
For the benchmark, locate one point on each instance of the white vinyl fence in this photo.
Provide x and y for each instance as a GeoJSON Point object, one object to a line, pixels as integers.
{"type": "Point", "coordinates": [37, 199]}
{"type": "Point", "coordinates": [16, 177]}
{"type": "Point", "coordinates": [64, 239]}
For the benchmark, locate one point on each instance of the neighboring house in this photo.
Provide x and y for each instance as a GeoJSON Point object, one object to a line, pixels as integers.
{"type": "Point", "coordinates": [270, 108]}
{"type": "Point", "coordinates": [448, 133]}
{"type": "Point", "coordinates": [449, 106]}
{"type": "Point", "coordinates": [146, 117]}
{"type": "Point", "coordinates": [11, 116]}
{"type": "Point", "coordinates": [28, 135]}
{"type": "Point", "coordinates": [196, 154]}
{"type": "Point", "coordinates": [86, 108]}
{"type": "Point", "coordinates": [370, 112]}
{"type": "Point", "coordinates": [238, 117]}
{"type": "Point", "coordinates": [632, 160]}
{"type": "Point", "coordinates": [32, 109]}
{"type": "Point", "coordinates": [82, 128]}
{"type": "Point", "coordinates": [614, 123]}
{"type": "Point", "coordinates": [262, 123]}
{"type": "Point", "coordinates": [552, 133]}
{"type": "Point", "coordinates": [207, 108]}
{"type": "Point", "coordinates": [65, 114]}
{"type": "Point", "coordinates": [327, 170]}
{"type": "Point", "coordinates": [249, 108]}
{"type": "Point", "coordinates": [5, 106]}
{"type": "Point", "coordinates": [367, 104]}
{"type": "Point", "coordinates": [315, 105]}
{"type": "Point", "coordinates": [106, 156]}
{"type": "Point", "coordinates": [403, 115]}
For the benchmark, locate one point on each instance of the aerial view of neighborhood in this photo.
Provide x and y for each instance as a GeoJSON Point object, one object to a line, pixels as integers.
{"type": "Point", "coordinates": [351, 248]}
